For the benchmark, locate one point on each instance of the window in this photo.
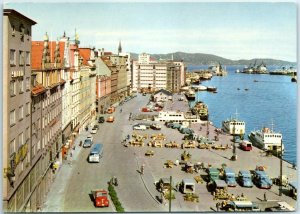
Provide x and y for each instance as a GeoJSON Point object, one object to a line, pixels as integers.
{"type": "Point", "coordinates": [12, 57]}
{"type": "Point", "coordinates": [13, 86]}
{"type": "Point", "coordinates": [12, 117]}
{"type": "Point", "coordinates": [21, 112]}
{"type": "Point", "coordinates": [12, 147]}
{"type": "Point", "coordinates": [21, 138]}
{"type": "Point", "coordinates": [13, 31]}
{"type": "Point", "coordinates": [27, 58]}
{"type": "Point", "coordinates": [27, 134]}
{"type": "Point", "coordinates": [27, 109]}
{"type": "Point", "coordinates": [27, 84]}
{"type": "Point", "coordinates": [21, 58]}
{"type": "Point", "coordinates": [21, 84]}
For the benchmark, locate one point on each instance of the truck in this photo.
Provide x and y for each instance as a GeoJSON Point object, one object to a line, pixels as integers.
{"type": "Point", "coordinates": [100, 198]}
{"type": "Point", "coordinates": [213, 173]}
{"type": "Point", "coordinates": [110, 119]}
{"type": "Point", "coordinates": [230, 177]}
{"type": "Point", "coordinates": [244, 178]}
{"type": "Point", "coordinates": [262, 180]}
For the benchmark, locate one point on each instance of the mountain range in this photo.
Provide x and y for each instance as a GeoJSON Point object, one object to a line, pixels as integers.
{"type": "Point", "coordinates": [210, 59]}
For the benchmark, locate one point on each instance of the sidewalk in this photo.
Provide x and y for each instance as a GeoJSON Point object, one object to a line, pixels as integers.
{"type": "Point", "coordinates": [55, 197]}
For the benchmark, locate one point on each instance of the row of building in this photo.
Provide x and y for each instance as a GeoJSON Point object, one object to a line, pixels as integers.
{"type": "Point", "coordinates": [52, 90]}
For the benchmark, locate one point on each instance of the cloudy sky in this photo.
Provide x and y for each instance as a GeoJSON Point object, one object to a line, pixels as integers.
{"type": "Point", "coordinates": [231, 30]}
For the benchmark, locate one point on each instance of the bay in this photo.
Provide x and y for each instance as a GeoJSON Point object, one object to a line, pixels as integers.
{"type": "Point", "coordinates": [272, 99]}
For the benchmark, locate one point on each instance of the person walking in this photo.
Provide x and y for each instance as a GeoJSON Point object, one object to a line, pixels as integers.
{"type": "Point", "coordinates": [218, 206]}
{"type": "Point", "coordinates": [142, 168]}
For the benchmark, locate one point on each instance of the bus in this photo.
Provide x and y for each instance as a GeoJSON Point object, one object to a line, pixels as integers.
{"type": "Point", "coordinates": [241, 206]}
{"type": "Point", "coordinates": [96, 153]}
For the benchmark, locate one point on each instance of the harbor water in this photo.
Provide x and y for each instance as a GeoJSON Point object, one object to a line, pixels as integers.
{"type": "Point", "coordinates": [268, 99]}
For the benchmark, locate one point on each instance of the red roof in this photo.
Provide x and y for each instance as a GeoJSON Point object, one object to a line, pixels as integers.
{"type": "Point", "coordinates": [37, 48]}
{"type": "Point", "coordinates": [85, 53]}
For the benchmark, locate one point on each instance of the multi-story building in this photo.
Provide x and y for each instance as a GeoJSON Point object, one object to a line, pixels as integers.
{"type": "Point", "coordinates": [103, 86]}
{"type": "Point", "coordinates": [47, 63]}
{"type": "Point", "coordinates": [16, 154]}
{"type": "Point", "coordinates": [67, 96]}
{"type": "Point", "coordinates": [87, 108]}
{"type": "Point", "coordinates": [128, 67]}
{"type": "Point", "coordinates": [151, 75]}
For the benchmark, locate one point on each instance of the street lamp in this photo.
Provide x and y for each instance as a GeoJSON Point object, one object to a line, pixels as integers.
{"type": "Point", "coordinates": [280, 185]}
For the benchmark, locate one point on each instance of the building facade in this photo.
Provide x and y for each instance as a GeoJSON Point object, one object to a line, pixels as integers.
{"type": "Point", "coordinates": [47, 84]}
{"type": "Point", "coordinates": [151, 75]}
{"type": "Point", "coordinates": [16, 153]}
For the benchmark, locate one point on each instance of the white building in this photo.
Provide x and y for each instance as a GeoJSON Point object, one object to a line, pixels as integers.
{"type": "Point", "coordinates": [162, 95]}
{"type": "Point", "coordinates": [155, 75]}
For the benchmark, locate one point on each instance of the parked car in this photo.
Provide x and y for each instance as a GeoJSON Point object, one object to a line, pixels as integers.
{"type": "Point", "coordinates": [101, 120]}
{"type": "Point", "coordinates": [96, 126]}
{"type": "Point", "coordinates": [110, 119]}
{"type": "Point", "coordinates": [230, 177]}
{"type": "Point", "coordinates": [244, 178]}
{"type": "Point", "coordinates": [94, 130]}
{"type": "Point", "coordinates": [262, 180]}
{"type": "Point", "coordinates": [155, 126]}
{"type": "Point", "coordinates": [144, 94]}
{"type": "Point", "coordinates": [139, 127]}
{"type": "Point", "coordinates": [90, 137]}
{"type": "Point", "coordinates": [87, 143]}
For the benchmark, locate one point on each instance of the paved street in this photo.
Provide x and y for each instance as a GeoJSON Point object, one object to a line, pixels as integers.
{"type": "Point", "coordinates": [137, 192]}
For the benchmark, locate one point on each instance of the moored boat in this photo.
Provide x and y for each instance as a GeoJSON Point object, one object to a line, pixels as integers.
{"type": "Point", "coordinates": [211, 88]}
{"type": "Point", "coordinates": [234, 126]}
{"type": "Point", "coordinates": [190, 94]}
{"type": "Point", "coordinates": [268, 140]}
{"type": "Point", "coordinates": [199, 87]}
{"type": "Point", "coordinates": [200, 109]}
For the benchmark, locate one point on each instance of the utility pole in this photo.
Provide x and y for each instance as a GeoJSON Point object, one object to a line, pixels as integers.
{"type": "Point", "coordinates": [280, 185]}
{"type": "Point", "coordinates": [170, 196]}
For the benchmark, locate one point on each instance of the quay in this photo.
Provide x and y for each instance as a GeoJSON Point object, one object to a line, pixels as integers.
{"type": "Point", "coordinates": [137, 192]}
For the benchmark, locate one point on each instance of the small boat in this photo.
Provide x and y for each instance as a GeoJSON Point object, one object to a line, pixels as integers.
{"type": "Point", "coordinates": [238, 89]}
{"type": "Point", "coordinates": [237, 71]}
{"type": "Point", "coordinates": [255, 80]}
{"type": "Point", "coordinates": [199, 87]}
{"type": "Point", "coordinates": [246, 89]}
{"type": "Point", "coordinates": [200, 109]}
{"type": "Point", "coordinates": [294, 79]}
{"type": "Point", "coordinates": [190, 95]}
{"type": "Point", "coordinates": [268, 140]}
{"type": "Point", "coordinates": [211, 88]}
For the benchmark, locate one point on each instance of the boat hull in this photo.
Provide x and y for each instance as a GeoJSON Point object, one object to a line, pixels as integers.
{"type": "Point", "coordinates": [258, 144]}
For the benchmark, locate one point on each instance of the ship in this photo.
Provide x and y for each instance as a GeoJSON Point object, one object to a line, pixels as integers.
{"type": "Point", "coordinates": [256, 69]}
{"type": "Point", "coordinates": [190, 94]}
{"type": "Point", "coordinates": [199, 87]}
{"type": "Point", "coordinates": [200, 109]}
{"type": "Point", "coordinates": [211, 89]}
{"type": "Point", "coordinates": [234, 126]}
{"type": "Point", "coordinates": [267, 140]}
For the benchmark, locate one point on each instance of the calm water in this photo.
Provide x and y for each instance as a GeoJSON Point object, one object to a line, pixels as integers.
{"type": "Point", "coordinates": [272, 98]}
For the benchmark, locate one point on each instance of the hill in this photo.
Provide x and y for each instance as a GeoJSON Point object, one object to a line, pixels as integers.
{"type": "Point", "coordinates": [210, 59]}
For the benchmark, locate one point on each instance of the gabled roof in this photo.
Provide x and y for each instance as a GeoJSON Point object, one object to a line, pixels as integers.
{"type": "Point", "coordinates": [164, 92]}
{"type": "Point", "coordinates": [37, 48]}
{"type": "Point", "coordinates": [85, 53]}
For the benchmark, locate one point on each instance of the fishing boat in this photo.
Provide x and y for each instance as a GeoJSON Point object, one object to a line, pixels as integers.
{"type": "Point", "coordinates": [211, 88]}
{"type": "Point", "coordinates": [199, 87]}
{"type": "Point", "coordinates": [190, 94]}
{"type": "Point", "coordinates": [268, 140]}
{"type": "Point", "coordinates": [234, 126]}
{"type": "Point", "coordinates": [200, 109]}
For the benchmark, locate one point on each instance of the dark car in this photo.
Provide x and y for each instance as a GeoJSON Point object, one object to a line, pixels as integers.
{"type": "Point", "coordinates": [87, 143]}
{"type": "Point", "coordinates": [96, 126]}
{"type": "Point", "coordinates": [101, 120]}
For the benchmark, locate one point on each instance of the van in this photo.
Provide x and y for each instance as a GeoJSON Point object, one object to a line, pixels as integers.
{"type": "Point", "coordinates": [96, 153]}
{"type": "Point", "coordinates": [230, 177]}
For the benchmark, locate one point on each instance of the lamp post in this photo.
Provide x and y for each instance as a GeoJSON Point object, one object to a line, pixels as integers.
{"type": "Point", "coordinates": [280, 185]}
{"type": "Point", "coordinates": [170, 196]}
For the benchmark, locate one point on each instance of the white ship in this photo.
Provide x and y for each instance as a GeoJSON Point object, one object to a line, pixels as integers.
{"type": "Point", "coordinates": [267, 139]}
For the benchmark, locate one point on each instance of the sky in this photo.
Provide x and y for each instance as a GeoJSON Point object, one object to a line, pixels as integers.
{"type": "Point", "coordinates": [230, 30]}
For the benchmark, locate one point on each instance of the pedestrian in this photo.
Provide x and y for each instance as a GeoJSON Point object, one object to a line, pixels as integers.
{"type": "Point", "coordinates": [218, 206]}
{"type": "Point", "coordinates": [265, 196]}
{"type": "Point", "coordinates": [142, 168]}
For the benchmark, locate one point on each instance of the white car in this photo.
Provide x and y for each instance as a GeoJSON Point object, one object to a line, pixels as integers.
{"type": "Point", "coordinates": [94, 131]}
{"type": "Point", "coordinates": [90, 137]}
{"type": "Point", "coordinates": [139, 127]}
